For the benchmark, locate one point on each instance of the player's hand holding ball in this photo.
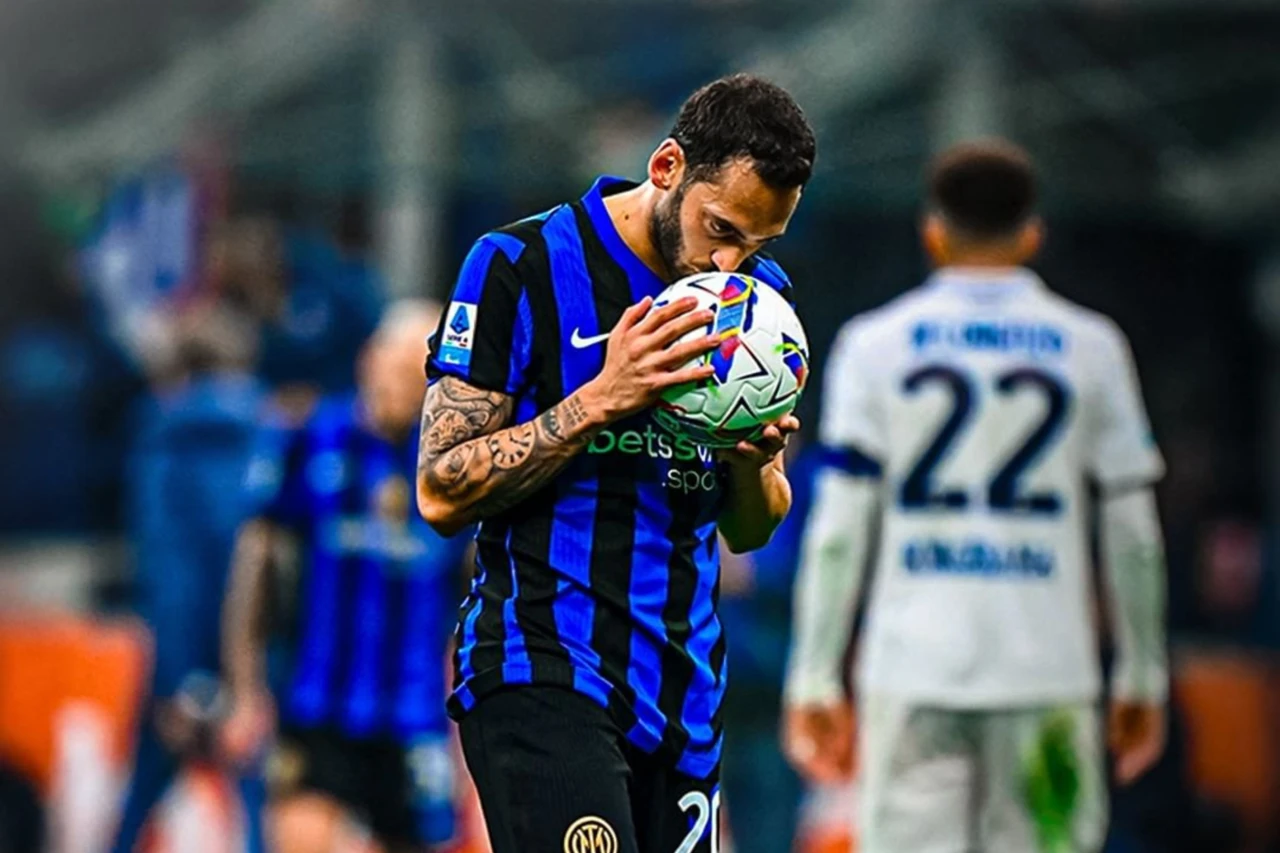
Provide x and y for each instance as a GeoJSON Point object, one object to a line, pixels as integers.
{"type": "Point", "coordinates": [759, 451]}
{"type": "Point", "coordinates": [651, 350]}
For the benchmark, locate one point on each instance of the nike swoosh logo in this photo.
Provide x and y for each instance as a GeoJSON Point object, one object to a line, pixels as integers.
{"type": "Point", "coordinates": [580, 342]}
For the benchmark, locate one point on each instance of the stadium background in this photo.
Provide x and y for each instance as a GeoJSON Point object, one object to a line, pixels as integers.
{"type": "Point", "coordinates": [384, 136]}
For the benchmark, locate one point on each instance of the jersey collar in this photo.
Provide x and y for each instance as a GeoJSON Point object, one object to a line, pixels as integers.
{"type": "Point", "coordinates": [644, 282]}
{"type": "Point", "coordinates": [985, 282]}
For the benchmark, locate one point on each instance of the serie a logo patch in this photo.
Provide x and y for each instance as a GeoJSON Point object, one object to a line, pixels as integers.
{"type": "Point", "coordinates": [459, 334]}
{"type": "Point", "coordinates": [590, 835]}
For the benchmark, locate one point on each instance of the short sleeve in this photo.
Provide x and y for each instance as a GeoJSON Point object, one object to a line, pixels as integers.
{"type": "Point", "coordinates": [1122, 449]}
{"type": "Point", "coordinates": [274, 484]}
{"type": "Point", "coordinates": [852, 425]}
{"type": "Point", "coordinates": [485, 333]}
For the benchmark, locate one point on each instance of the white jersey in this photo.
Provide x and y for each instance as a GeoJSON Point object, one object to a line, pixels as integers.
{"type": "Point", "coordinates": [989, 404]}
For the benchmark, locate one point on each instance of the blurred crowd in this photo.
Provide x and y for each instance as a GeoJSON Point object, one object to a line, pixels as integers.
{"type": "Point", "coordinates": [140, 357]}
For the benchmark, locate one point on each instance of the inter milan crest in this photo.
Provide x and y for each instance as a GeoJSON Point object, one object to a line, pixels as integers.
{"type": "Point", "coordinates": [590, 835]}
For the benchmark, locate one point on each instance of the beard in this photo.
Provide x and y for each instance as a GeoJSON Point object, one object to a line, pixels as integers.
{"type": "Point", "coordinates": [668, 238]}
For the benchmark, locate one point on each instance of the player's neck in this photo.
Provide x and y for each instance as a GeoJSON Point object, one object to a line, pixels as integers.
{"type": "Point", "coordinates": [631, 212]}
{"type": "Point", "coordinates": [984, 267]}
{"type": "Point", "coordinates": [980, 257]}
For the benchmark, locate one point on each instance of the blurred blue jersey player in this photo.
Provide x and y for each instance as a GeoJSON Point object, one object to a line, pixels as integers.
{"type": "Point", "coordinates": [193, 441]}
{"type": "Point", "coordinates": [363, 735]}
{"type": "Point", "coordinates": [591, 663]}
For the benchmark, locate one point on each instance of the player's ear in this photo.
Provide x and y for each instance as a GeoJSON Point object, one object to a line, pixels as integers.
{"type": "Point", "coordinates": [666, 165]}
{"type": "Point", "coordinates": [933, 234]}
{"type": "Point", "coordinates": [1031, 239]}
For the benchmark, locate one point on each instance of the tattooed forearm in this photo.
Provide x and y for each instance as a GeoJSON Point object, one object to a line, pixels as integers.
{"type": "Point", "coordinates": [471, 464]}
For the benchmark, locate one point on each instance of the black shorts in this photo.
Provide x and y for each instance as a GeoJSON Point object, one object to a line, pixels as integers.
{"type": "Point", "coordinates": [403, 793]}
{"type": "Point", "coordinates": [555, 773]}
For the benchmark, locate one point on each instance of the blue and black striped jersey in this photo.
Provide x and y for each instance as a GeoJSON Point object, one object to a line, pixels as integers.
{"type": "Point", "coordinates": [377, 586]}
{"type": "Point", "coordinates": [606, 581]}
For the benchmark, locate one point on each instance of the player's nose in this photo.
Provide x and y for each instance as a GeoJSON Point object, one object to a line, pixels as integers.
{"type": "Point", "coordinates": [728, 260]}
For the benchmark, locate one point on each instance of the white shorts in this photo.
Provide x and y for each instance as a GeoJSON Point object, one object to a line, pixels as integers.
{"type": "Point", "coordinates": [948, 781]}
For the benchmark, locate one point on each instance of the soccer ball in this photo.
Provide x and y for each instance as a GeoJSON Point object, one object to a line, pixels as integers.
{"type": "Point", "coordinates": [761, 364]}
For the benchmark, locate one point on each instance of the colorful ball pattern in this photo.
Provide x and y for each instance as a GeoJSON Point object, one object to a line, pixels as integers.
{"type": "Point", "coordinates": [761, 365]}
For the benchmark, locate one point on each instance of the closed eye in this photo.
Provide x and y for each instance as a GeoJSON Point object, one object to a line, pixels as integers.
{"type": "Point", "coordinates": [720, 228]}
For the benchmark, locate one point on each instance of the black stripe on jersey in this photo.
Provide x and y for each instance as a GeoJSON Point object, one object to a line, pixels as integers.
{"type": "Point", "coordinates": [718, 651]}
{"type": "Point", "coordinates": [682, 584]}
{"type": "Point", "coordinates": [529, 519]}
{"type": "Point", "coordinates": [615, 516]}
{"type": "Point", "coordinates": [491, 356]}
{"type": "Point", "coordinates": [491, 551]}
{"type": "Point", "coordinates": [395, 617]}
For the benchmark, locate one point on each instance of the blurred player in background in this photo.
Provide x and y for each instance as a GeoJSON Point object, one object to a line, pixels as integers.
{"type": "Point", "coordinates": [314, 308]}
{"type": "Point", "coordinates": [194, 440]}
{"type": "Point", "coordinates": [591, 662]}
{"type": "Point", "coordinates": [967, 418]}
{"type": "Point", "coordinates": [363, 734]}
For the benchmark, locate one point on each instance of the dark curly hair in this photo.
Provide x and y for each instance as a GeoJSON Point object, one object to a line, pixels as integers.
{"type": "Point", "coordinates": [746, 116]}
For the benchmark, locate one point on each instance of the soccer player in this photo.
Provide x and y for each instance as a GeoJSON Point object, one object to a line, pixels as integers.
{"type": "Point", "coordinates": [193, 438]}
{"type": "Point", "coordinates": [363, 735]}
{"type": "Point", "coordinates": [590, 664]}
{"type": "Point", "coordinates": [966, 419]}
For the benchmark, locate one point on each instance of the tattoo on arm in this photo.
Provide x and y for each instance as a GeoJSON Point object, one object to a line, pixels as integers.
{"type": "Point", "coordinates": [472, 458]}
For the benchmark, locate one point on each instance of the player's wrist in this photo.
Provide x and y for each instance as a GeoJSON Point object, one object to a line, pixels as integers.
{"type": "Point", "coordinates": [597, 405]}
{"type": "Point", "coordinates": [813, 692]}
{"type": "Point", "coordinates": [1152, 691]}
{"type": "Point", "coordinates": [248, 688]}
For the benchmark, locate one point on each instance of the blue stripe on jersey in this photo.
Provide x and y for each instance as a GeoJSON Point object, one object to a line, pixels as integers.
{"type": "Point", "coordinates": [570, 555]}
{"type": "Point", "coordinates": [648, 598]}
{"type": "Point", "coordinates": [574, 299]}
{"type": "Point", "coordinates": [526, 409]}
{"type": "Point", "coordinates": [768, 271]}
{"type": "Point", "coordinates": [521, 344]}
{"type": "Point", "coordinates": [511, 246]}
{"type": "Point", "coordinates": [314, 668]}
{"type": "Point", "coordinates": [574, 517]}
{"type": "Point", "coordinates": [475, 270]}
{"type": "Point", "coordinates": [466, 670]}
{"type": "Point", "coordinates": [707, 689]}
{"type": "Point", "coordinates": [851, 461]}
{"type": "Point", "coordinates": [644, 281]}
{"type": "Point", "coordinates": [370, 611]}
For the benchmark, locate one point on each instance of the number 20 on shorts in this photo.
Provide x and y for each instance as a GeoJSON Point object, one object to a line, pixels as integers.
{"type": "Point", "coordinates": [708, 812]}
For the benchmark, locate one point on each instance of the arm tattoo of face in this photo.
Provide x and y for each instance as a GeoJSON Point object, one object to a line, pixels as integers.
{"type": "Point", "coordinates": [453, 414]}
{"type": "Point", "coordinates": [470, 455]}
